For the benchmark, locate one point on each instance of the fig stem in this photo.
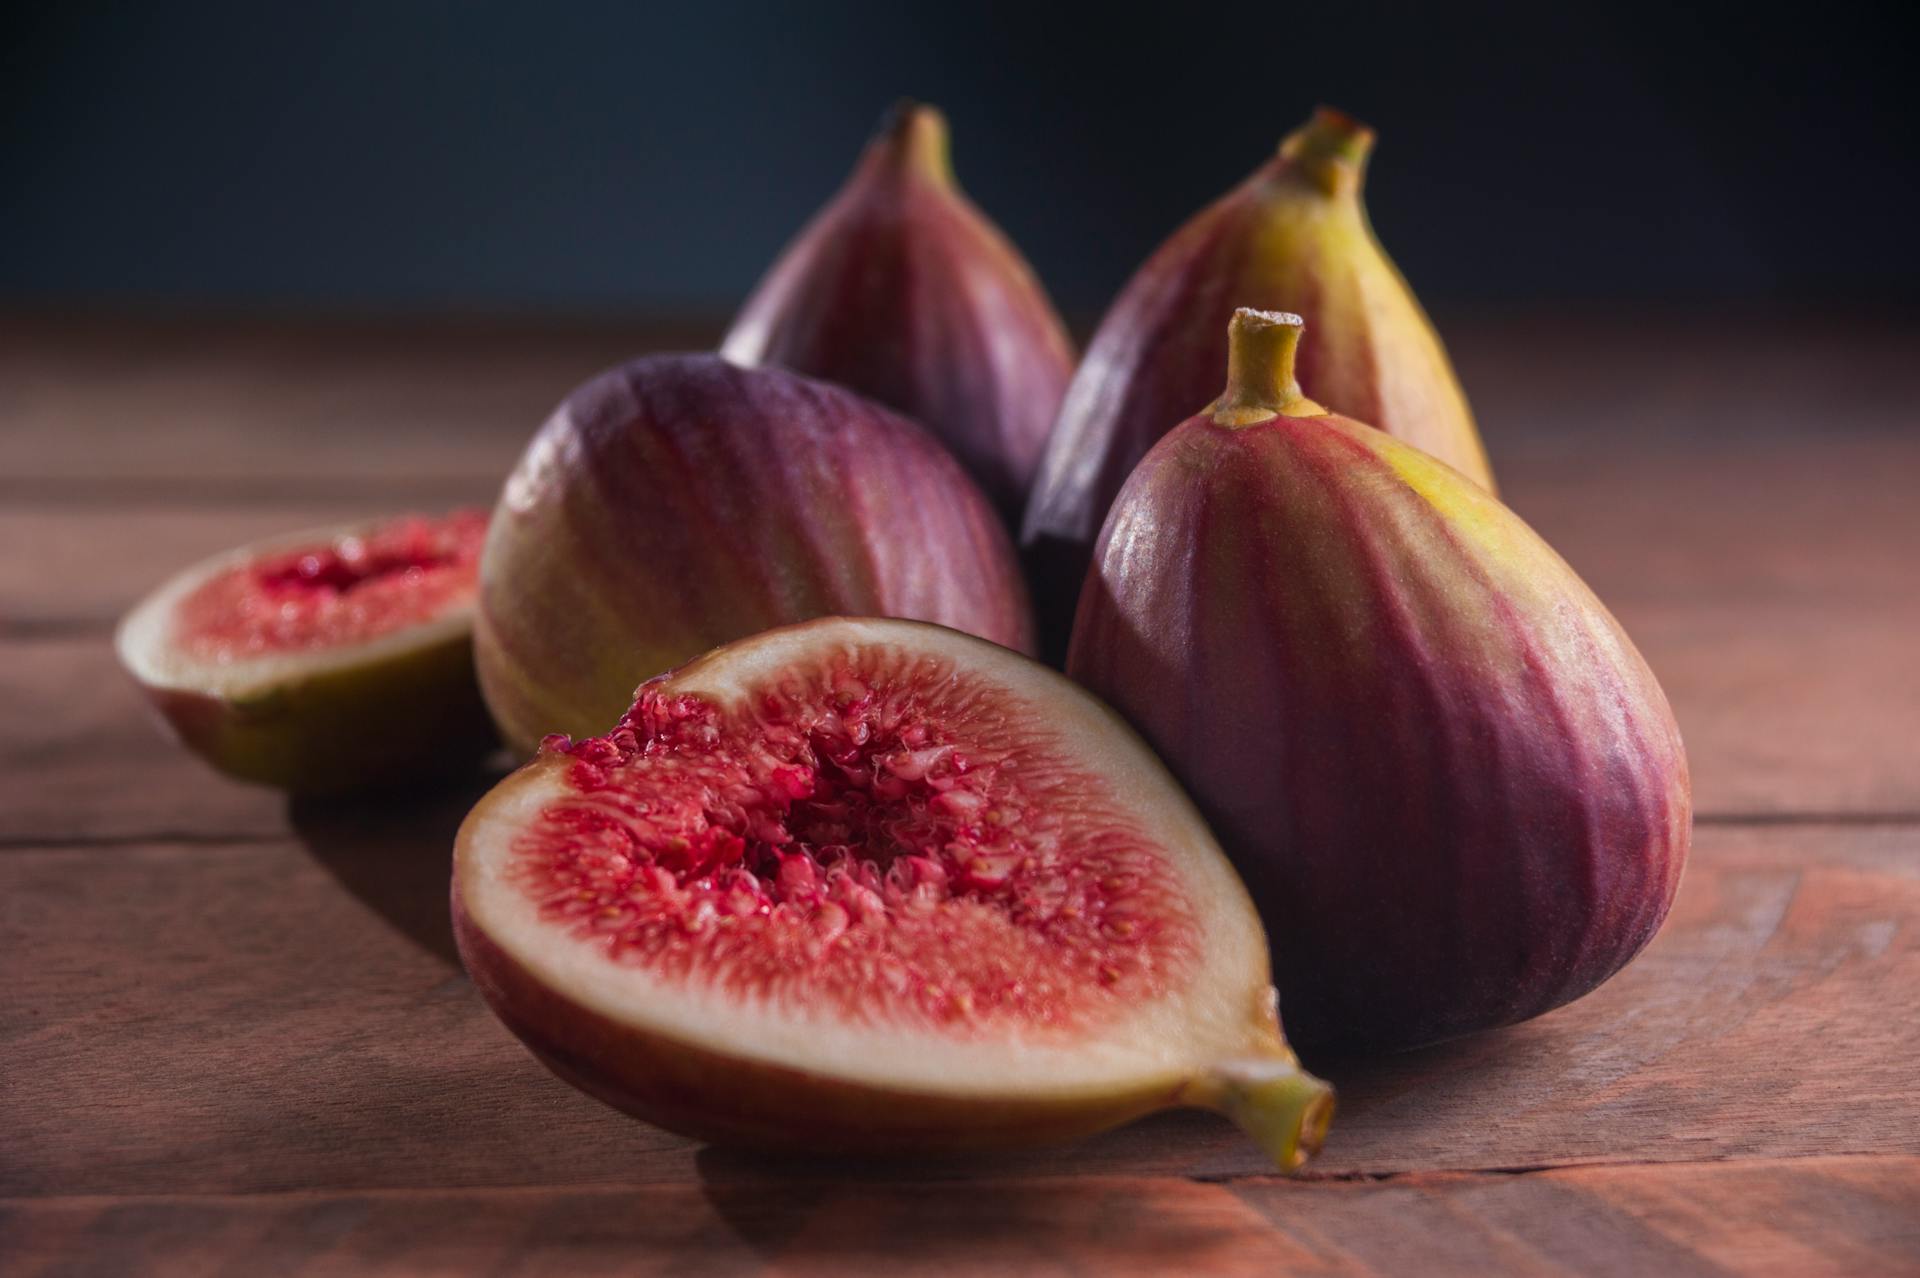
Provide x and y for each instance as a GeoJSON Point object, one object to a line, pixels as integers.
{"type": "Point", "coordinates": [1330, 150]}
{"type": "Point", "coordinates": [1260, 383]}
{"type": "Point", "coordinates": [1273, 1100]}
{"type": "Point", "coordinates": [913, 139]}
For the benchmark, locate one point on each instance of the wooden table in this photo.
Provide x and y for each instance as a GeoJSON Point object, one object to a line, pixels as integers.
{"type": "Point", "coordinates": [234, 1037]}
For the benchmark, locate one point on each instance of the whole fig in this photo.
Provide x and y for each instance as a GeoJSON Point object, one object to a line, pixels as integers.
{"type": "Point", "coordinates": [679, 502]}
{"type": "Point", "coordinates": [1293, 237]}
{"type": "Point", "coordinates": [902, 290]}
{"type": "Point", "coordinates": [1453, 786]}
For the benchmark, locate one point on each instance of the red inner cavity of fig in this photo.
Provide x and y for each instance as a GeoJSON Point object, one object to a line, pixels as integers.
{"type": "Point", "coordinates": [346, 591]}
{"type": "Point", "coordinates": [884, 838]}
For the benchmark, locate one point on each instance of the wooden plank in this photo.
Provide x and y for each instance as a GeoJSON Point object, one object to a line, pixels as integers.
{"type": "Point", "coordinates": [232, 408]}
{"type": "Point", "coordinates": [1803, 1218]}
{"type": "Point", "coordinates": [209, 402]}
{"type": "Point", "coordinates": [1655, 532]}
{"type": "Point", "coordinates": [1786, 710]}
{"type": "Point", "coordinates": [78, 567]}
{"type": "Point", "coordinates": [289, 1015]}
{"type": "Point", "coordinates": [83, 758]}
{"type": "Point", "coordinates": [1799, 1218]}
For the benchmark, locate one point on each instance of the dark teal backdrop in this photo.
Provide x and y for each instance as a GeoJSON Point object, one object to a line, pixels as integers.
{"type": "Point", "coordinates": [633, 157]}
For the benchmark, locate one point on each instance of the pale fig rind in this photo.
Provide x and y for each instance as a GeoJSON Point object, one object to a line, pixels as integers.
{"type": "Point", "coordinates": [679, 502]}
{"type": "Point", "coordinates": [386, 713]}
{"type": "Point", "coordinates": [698, 1053]}
{"type": "Point", "coordinates": [901, 289]}
{"type": "Point", "coordinates": [1451, 782]}
{"type": "Point", "coordinates": [1294, 236]}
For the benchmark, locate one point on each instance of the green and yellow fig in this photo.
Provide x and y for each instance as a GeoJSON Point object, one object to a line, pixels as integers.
{"type": "Point", "coordinates": [1453, 786]}
{"type": "Point", "coordinates": [1293, 237]}
{"type": "Point", "coordinates": [901, 289]}
{"type": "Point", "coordinates": [680, 502]}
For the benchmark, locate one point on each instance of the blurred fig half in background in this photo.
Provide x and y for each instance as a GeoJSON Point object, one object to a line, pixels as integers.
{"type": "Point", "coordinates": [1293, 237]}
{"type": "Point", "coordinates": [902, 290]}
{"type": "Point", "coordinates": [1453, 786]}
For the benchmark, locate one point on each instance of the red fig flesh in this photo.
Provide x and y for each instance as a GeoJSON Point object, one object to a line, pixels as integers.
{"type": "Point", "coordinates": [325, 661]}
{"type": "Point", "coordinates": [902, 290]}
{"type": "Point", "coordinates": [874, 885]}
{"type": "Point", "coordinates": [679, 502]}
{"type": "Point", "coordinates": [1293, 237]}
{"type": "Point", "coordinates": [1450, 781]}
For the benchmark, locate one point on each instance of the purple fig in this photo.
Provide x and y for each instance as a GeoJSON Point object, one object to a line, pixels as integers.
{"type": "Point", "coordinates": [680, 502]}
{"type": "Point", "coordinates": [902, 290]}
{"type": "Point", "coordinates": [1293, 237]}
{"type": "Point", "coordinates": [1453, 786]}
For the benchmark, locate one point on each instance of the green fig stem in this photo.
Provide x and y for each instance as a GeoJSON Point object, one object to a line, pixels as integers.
{"type": "Point", "coordinates": [1330, 150]}
{"type": "Point", "coordinates": [1260, 383]}
{"type": "Point", "coordinates": [1273, 1100]}
{"type": "Point", "coordinates": [913, 139]}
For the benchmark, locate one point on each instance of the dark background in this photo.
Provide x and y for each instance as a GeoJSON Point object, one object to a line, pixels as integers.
{"type": "Point", "coordinates": [633, 158]}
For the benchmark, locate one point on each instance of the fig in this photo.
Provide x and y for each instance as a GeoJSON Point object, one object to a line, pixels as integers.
{"type": "Point", "coordinates": [901, 289]}
{"type": "Point", "coordinates": [1293, 237]}
{"type": "Point", "coordinates": [679, 502]}
{"type": "Point", "coordinates": [1451, 783]}
{"type": "Point", "coordinates": [874, 886]}
{"type": "Point", "coordinates": [326, 661]}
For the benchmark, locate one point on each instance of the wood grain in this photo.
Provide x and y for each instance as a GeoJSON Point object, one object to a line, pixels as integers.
{"type": "Point", "coordinates": [76, 568]}
{"type": "Point", "coordinates": [287, 1015]}
{"type": "Point", "coordinates": [81, 757]}
{"type": "Point", "coordinates": [222, 410]}
{"type": "Point", "coordinates": [1805, 1218]}
{"type": "Point", "coordinates": [234, 1036]}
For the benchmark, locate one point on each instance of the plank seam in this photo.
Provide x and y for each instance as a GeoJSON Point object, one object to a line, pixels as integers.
{"type": "Point", "coordinates": [1225, 1180]}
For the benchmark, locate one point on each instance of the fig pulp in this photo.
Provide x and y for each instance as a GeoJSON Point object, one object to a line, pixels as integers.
{"type": "Point", "coordinates": [1293, 237]}
{"type": "Point", "coordinates": [874, 885]}
{"type": "Point", "coordinates": [902, 290]}
{"type": "Point", "coordinates": [325, 661]}
{"type": "Point", "coordinates": [679, 502]}
{"type": "Point", "coordinates": [1453, 786]}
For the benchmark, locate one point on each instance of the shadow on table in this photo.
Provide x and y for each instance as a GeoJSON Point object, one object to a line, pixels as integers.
{"type": "Point", "coordinates": [847, 1216]}
{"type": "Point", "coordinates": [393, 852]}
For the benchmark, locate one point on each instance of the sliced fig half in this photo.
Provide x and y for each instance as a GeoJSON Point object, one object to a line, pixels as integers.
{"type": "Point", "coordinates": [856, 885]}
{"type": "Point", "coordinates": [329, 660]}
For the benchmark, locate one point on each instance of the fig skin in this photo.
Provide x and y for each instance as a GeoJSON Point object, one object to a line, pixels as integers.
{"type": "Point", "coordinates": [386, 725]}
{"type": "Point", "coordinates": [679, 502]}
{"type": "Point", "coordinates": [752, 1104]}
{"type": "Point", "coordinates": [1294, 236]}
{"type": "Point", "coordinates": [715, 1078]}
{"type": "Point", "coordinates": [1454, 788]}
{"type": "Point", "coordinates": [901, 289]}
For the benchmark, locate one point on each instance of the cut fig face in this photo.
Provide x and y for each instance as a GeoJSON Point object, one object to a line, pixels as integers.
{"type": "Point", "coordinates": [875, 885]}
{"type": "Point", "coordinates": [328, 660]}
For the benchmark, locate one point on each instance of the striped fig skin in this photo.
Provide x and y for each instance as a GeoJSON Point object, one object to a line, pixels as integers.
{"type": "Point", "coordinates": [1454, 788]}
{"type": "Point", "coordinates": [901, 289]}
{"type": "Point", "coordinates": [679, 502]}
{"type": "Point", "coordinates": [1294, 236]}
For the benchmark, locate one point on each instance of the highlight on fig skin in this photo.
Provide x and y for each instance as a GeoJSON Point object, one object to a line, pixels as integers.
{"type": "Point", "coordinates": [1294, 236]}
{"type": "Point", "coordinates": [875, 885]}
{"type": "Point", "coordinates": [902, 289]}
{"type": "Point", "coordinates": [333, 660]}
{"type": "Point", "coordinates": [1450, 782]}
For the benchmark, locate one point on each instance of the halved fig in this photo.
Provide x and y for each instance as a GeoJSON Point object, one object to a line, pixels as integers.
{"type": "Point", "coordinates": [329, 660]}
{"type": "Point", "coordinates": [857, 885]}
